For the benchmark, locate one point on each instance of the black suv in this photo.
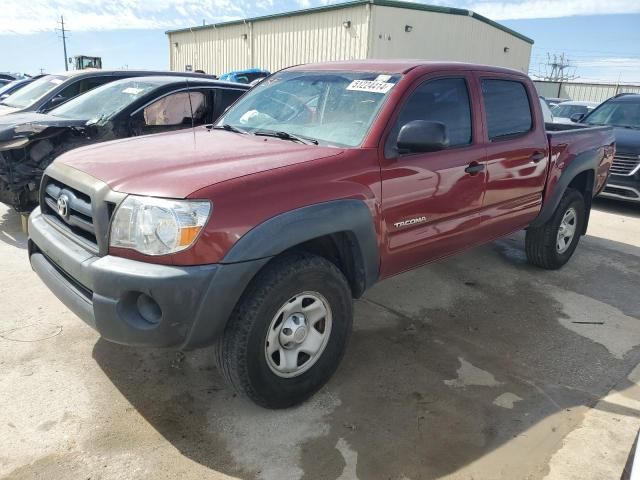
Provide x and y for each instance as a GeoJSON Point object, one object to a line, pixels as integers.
{"type": "Point", "coordinates": [50, 91]}
{"type": "Point", "coordinates": [623, 113]}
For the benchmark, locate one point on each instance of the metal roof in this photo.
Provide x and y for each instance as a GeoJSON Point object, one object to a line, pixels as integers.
{"type": "Point", "coordinates": [382, 3]}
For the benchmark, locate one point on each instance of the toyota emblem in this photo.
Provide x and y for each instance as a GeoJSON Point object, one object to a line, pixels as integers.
{"type": "Point", "coordinates": [63, 206]}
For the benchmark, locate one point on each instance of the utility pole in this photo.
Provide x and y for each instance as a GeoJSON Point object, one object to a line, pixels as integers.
{"type": "Point", "coordinates": [64, 43]}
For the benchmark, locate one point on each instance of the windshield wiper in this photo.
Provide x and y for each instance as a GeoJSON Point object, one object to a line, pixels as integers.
{"type": "Point", "coordinates": [286, 136]}
{"type": "Point", "coordinates": [229, 128]}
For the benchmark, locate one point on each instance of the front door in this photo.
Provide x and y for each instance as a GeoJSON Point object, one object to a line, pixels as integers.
{"type": "Point", "coordinates": [430, 201]}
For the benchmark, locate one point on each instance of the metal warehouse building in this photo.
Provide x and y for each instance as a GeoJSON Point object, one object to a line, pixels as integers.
{"type": "Point", "coordinates": [354, 30]}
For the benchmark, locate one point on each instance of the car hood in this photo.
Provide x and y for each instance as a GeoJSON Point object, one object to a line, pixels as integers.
{"type": "Point", "coordinates": [627, 140]}
{"type": "Point", "coordinates": [28, 124]}
{"type": "Point", "coordinates": [6, 110]}
{"type": "Point", "coordinates": [179, 163]}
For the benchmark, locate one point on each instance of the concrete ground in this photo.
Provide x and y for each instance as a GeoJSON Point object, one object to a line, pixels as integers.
{"type": "Point", "coordinates": [478, 367]}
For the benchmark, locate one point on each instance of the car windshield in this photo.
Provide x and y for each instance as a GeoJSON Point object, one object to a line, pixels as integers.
{"type": "Point", "coordinates": [27, 96]}
{"type": "Point", "coordinates": [622, 113]}
{"type": "Point", "coordinates": [332, 108]}
{"type": "Point", "coordinates": [103, 102]}
{"type": "Point", "coordinates": [566, 111]}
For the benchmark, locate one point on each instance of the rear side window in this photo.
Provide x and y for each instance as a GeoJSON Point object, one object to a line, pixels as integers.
{"type": "Point", "coordinates": [507, 108]}
{"type": "Point", "coordinates": [445, 100]}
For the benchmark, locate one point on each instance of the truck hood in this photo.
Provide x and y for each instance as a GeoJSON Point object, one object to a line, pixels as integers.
{"type": "Point", "coordinates": [627, 140]}
{"type": "Point", "coordinates": [179, 163]}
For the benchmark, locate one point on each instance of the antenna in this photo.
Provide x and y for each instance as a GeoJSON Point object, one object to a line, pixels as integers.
{"type": "Point", "coordinates": [193, 126]}
{"type": "Point", "coordinates": [556, 67]}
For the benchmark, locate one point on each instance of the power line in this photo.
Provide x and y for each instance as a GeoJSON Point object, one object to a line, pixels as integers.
{"type": "Point", "coordinates": [64, 42]}
{"type": "Point", "coordinates": [557, 68]}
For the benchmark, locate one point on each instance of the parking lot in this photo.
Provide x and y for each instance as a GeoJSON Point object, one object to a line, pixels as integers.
{"type": "Point", "coordinates": [479, 366]}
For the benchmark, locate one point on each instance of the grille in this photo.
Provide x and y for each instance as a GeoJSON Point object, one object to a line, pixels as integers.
{"type": "Point", "coordinates": [77, 218]}
{"type": "Point", "coordinates": [625, 164]}
{"type": "Point", "coordinates": [621, 192]}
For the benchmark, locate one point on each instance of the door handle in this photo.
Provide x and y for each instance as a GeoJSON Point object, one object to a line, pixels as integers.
{"type": "Point", "coordinates": [537, 157]}
{"type": "Point", "coordinates": [474, 168]}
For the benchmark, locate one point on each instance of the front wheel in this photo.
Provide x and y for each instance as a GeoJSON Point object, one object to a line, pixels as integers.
{"type": "Point", "coordinates": [288, 332]}
{"type": "Point", "coordinates": [552, 245]}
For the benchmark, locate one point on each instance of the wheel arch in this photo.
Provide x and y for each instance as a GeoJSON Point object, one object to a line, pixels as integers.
{"type": "Point", "coordinates": [342, 231]}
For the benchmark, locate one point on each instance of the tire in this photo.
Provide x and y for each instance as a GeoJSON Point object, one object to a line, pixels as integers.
{"type": "Point", "coordinates": [542, 244]}
{"type": "Point", "coordinates": [288, 286]}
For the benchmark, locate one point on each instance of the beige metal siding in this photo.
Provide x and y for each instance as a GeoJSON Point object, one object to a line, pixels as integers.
{"type": "Point", "coordinates": [439, 36]}
{"type": "Point", "coordinates": [586, 92]}
{"type": "Point", "coordinates": [273, 43]}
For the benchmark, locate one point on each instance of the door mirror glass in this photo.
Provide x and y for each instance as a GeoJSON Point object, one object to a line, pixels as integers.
{"type": "Point", "coordinates": [577, 117]}
{"type": "Point", "coordinates": [422, 136]}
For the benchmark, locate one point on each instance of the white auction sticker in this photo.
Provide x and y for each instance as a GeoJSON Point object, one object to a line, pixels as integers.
{"type": "Point", "coordinates": [370, 86]}
{"type": "Point", "coordinates": [383, 78]}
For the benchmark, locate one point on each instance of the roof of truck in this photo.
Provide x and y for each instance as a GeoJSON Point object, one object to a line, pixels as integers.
{"type": "Point", "coordinates": [398, 66]}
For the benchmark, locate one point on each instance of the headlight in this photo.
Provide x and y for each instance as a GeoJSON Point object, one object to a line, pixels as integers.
{"type": "Point", "coordinates": [158, 226]}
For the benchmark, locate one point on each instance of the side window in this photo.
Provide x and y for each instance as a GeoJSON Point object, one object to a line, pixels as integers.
{"type": "Point", "coordinates": [507, 108]}
{"type": "Point", "coordinates": [91, 83]}
{"type": "Point", "coordinates": [228, 96]}
{"type": "Point", "coordinates": [70, 91]}
{"type": "Point", "coordinates": [176, 109]}
{"type": "Point", "coordinates": [445, 100]}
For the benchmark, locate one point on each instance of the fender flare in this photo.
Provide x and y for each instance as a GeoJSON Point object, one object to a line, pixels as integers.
{"type": "Point", "coordinates": [295, 227]}
{"type": "Point", "coordinates": [583, 162]}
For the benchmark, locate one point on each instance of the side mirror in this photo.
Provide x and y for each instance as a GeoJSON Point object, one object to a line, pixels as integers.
{"type": "Point", "coordinates": [55, 101]}
{"type": "Point", "coordinates": [577, 117]}
{"type": "Point", "coordinates": [422, 136]}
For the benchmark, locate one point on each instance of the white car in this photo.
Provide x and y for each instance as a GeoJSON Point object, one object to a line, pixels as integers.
{"type": "Point", "coordinates": [563, 112]}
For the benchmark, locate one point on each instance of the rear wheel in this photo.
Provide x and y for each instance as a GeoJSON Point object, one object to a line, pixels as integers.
{"type": "Point", "coordinates": [552, 245]}
{"type": "Point", "coordinates": [288, 332]}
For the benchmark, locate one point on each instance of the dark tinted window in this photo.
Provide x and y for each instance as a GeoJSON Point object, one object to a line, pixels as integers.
{"type": "Point", "coordinates": [91, 83]}
{"type": "Point", "coordinates": [229, 96]}
{"type": "Point", "coordinates": [507, 108]}
{"type": "Point", "coordinates": [71, 91]}
{"type": "Point", "coordinates": [445, 101]}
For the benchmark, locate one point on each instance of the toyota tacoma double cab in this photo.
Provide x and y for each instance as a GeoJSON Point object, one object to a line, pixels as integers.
{"type": "Point", "coordinates": [255, 234]}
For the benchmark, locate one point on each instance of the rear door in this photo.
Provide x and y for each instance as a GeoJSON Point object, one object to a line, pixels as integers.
{"type": "Point", "coordinates": [430, 200]}
{"type": "Point", "coordinates": [517, 154]}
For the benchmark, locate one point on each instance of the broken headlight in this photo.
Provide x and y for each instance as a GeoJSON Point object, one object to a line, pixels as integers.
{"type": "Point", "coordinates": [158, 226]}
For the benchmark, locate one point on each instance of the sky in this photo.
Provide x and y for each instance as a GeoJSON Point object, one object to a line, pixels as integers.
{"type": "Point", "coordinates": [600, 38]}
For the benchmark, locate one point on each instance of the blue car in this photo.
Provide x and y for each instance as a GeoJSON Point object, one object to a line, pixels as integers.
{"type": "Point", "coordinates": [245, 76]}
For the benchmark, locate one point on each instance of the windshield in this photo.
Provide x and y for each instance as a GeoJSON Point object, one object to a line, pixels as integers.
{"type": "Point", "coordinates": [27, 96]}
{"type": "Point", "coordinates": [566, 111]}
{"type": "Point", "coordinates": [334, 108]}
{"type": "Point", "coordinates": [103, 102]}
{"type": "Point", "coordinates": [617, 114]}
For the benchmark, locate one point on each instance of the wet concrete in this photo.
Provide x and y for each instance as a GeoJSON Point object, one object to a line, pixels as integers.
{"type": "Point", "coordinates": [476, 367]}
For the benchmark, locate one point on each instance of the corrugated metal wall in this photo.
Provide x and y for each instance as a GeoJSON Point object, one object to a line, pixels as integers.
{"type": "Point", "coordinates": [591, 92]}
{"type": "Point", "coordinates": [273, 43]}
{"type": "Point", "coordinates": [439, 36]}
{"type": "Point", "coordinates": [375, 31]}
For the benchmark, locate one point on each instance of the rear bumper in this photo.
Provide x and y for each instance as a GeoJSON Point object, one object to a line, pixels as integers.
{"type": "Point", "coordinates": [621, 187]}
{"type": "Point", "coordinates": [137, 303]}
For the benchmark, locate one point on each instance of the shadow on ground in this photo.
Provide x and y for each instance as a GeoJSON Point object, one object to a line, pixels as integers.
{"type": "Point", "coordinates": [447, 364]}
{"type": "Point", "coordinates": [11, 229]}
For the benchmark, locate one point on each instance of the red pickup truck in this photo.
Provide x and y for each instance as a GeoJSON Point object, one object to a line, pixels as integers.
{"type": "Point", "coordinates": [255, 234]}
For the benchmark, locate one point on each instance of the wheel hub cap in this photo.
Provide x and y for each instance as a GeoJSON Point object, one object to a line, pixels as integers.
{"type": "Point", "coordinates": [566, 230]}
{"type": "Point", "coordinates": [298, 334]}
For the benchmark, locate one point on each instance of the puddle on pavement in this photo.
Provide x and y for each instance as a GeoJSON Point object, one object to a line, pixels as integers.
{"type": "Point", "coordinates": [470, 375]}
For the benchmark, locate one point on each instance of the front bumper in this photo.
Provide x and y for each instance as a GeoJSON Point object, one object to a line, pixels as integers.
{"type": "Point", "coordinates": [623, 187]}
{"type": "Point", "coordinates": [137, 303]}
